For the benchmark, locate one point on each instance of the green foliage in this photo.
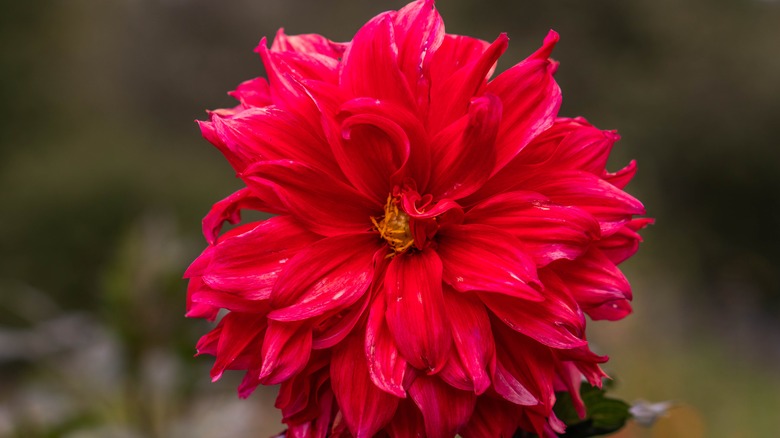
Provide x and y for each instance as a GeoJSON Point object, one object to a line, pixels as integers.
{"type": "Point", "coordinates": [605, 415]}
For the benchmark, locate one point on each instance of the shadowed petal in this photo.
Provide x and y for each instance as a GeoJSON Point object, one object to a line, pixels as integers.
{"type": "Point", "coordinates": [473, 337]}
{"type": "Point", "coordinates": [286, 349]}
{"type": "Point", "coordinates": [597, 284]}
{"type": "Point", "coordinates": [366, 408]}
{"type": "Point", "coordinates": [445, 409]}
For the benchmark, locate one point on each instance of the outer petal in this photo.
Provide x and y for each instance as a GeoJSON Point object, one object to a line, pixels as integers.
{"type": "Point", "coordinates": [250, 262]}
{"type": "Point", "coordinates": [533, 369]}
{"type": "Point", "coordinates": [330, 275]}
{"type": "Point", "coordinates": [463, 153]}
{"type": "Point", "coordinates": [623, 244]}
{"type": "Point", "coordinates": [323, 205]}
{"type": "Point", "coordinates": [597, 284]}
{"type": "Point", "coordinates": [366, 408]}
{"type": "Point", "coordinates": [307, 43]}
{"type": "Point", "coordinates": [419, 31]}
{"type": "Point", "coordinates": [492, 418]}
{"type": "Point", "coordinates": [286, 349]}
{"type": "Point", "coordinates": [456, 51]}
{"type": "Point", "coordinates": [385, 364]}
{"type": "Point", "coordinates": [548, 231]}
{"type": "Point", "coordinates": [229, 210]}
{"type": "Point", "coordinates": [272, 133]}
{"type": "Point", "coordinates": [450, 99]}
{"type": "Point", "coordinates": [407, 422]}
{"type": "Point", "coordinates": [531, 99]}
{"type": "Point", "coordinates": [622, 177]}
{"type": "Point", "coordinates": [480, 257]}
{"type": "Point", "coordinates": [370, 65]}
{"type": "Point", "coordinates": [570, 144]}
{"type": "Point", "coordinates": [416, 315]}
{"type": "Point", "coordinates": [445, 409]}
{"type": "Point", "coordinates": [253, 93]}
{"type": "Point", "coordinates": [556, 322]}
{"type": "Point", "coordinates": [473, 337]}
{"type": "Point", "coordinates": [240, 332]}
{"type": "Point", "coordinates": [611, 206]}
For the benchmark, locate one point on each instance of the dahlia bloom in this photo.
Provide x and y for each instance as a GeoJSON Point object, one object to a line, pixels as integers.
{"type": "Point", "coordinates": [438, 238]}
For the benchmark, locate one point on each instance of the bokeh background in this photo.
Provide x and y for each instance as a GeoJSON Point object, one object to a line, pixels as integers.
{"type": "Point", "coordinates": [104, 179]}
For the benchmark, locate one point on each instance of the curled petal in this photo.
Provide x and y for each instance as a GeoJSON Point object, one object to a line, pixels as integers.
{"type": "Point", "coordinates": [229, 210]}
{"type": "Point", "coordinates": [622, 177]}
{"type": "Point", "coordinates": [240, 332]}
{"type": "Point", "coordinates": [253, 93]}
{"type": "Point", "coordinates": [625, 242]}
{"type": "Point", "coordinates": [307, 43]}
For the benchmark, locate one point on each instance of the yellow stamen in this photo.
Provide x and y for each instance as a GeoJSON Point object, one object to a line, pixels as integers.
{"type": "Point", "coordinates": [394, 227]}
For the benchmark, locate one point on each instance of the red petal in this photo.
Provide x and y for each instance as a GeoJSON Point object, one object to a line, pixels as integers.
{"type": "Point", "coordinates": [366, 408]}
{"type": "Point", "coordinates": [307, 43]}
{"type": "Point", "coordinates": [530, 98]}
{"type": "Point", "coordinates": [249, 263]}
{"type": "Point", "coordinates": [463, 153]}
{"type": "Point", "coordinates": [334, 328]}
{"type": "Point", "coordinates": [450, 99]}
{"type": "Point", "coordinates": [556, 322]}
{"type": "Point", "coordinates": [456, 51]}
{"type": "Point", "coordinates": [419, 31]}
{"type": "Point", "coordinates": [473, 337]}
{"type": "Point", "coordinates": [480, 257]}
{"type": "Point", "coordinates": [407, 422]}
{"type": "Point", "coordinates": [622, 177]}
{"type": "Point", "coordinates": [253, 93]}
{"type": "Point", "coordinates": [385, 365]}
{"type": "Point", "coordinates": [623, 244]}
{"type": "Point", "coordinates": [445, 409]}
{"type": "Point", "coordinates": [323, 205]}
{"type": "Point", "coordinates": [611, 206]}
{"type": "Point", "coordinates": [597, 284]}
{"type": "Point", "coordinates": [416, 315]}
{"type": "Point", "coordinates": [272, 133]}
{"type": "Point", "coordinates": [523, 363]}
{"type": "Point", "coordinates": [570, 144]}
{"type": "Point", "coordinates": [370, 65]}
{"type": "Point", "coordinates": [286, 349]}
{"type": "Point", "coordinates": [491, 418]}
{"type": "Point", "coordinates": [329, 276]}
{"type": "Point", "coordinates": [229, 210]}
{"type": "Point", "coordinates": [239, 330]}
{"type": "Point", "coordinates": [547, 231]}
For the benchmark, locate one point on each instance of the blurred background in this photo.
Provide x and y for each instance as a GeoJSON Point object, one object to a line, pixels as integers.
{"type": "Point", "coordinates": [105, 179]}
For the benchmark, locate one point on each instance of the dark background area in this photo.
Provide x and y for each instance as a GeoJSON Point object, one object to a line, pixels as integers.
{"type": "Point", "coordinates": [105, 178]}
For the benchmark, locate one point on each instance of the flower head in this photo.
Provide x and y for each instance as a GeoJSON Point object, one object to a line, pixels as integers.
{"type": "Point", "coordinates": [438, 238]}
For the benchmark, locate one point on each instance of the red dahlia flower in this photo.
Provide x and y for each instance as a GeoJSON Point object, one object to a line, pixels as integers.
{"type": "Point", "coordinates": [439, 235]}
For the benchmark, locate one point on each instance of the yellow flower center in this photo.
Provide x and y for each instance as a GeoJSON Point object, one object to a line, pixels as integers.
{"type": "Point", "coordinates": [394, 227]}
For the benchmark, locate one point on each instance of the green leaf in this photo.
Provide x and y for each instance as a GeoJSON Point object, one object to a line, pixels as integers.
{"type": "Point", "coordinates": [604, 415]}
